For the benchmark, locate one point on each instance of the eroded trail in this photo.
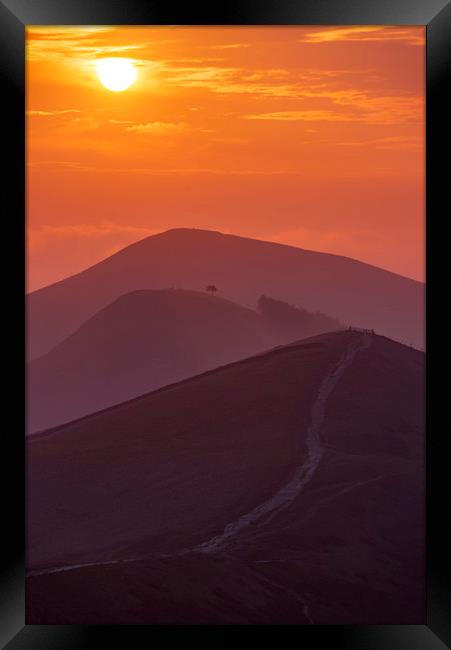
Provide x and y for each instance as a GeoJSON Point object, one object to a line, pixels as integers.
{"type": "Point", "coordinates": [72, 567]}
{"type": "Point", "coordinates": [303, 474]}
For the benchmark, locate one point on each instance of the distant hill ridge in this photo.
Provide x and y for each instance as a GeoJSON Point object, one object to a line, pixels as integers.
{"type": "Point", "coordinates": [148, 338]}
{"type": "Point", "coordinates": [243, 269]}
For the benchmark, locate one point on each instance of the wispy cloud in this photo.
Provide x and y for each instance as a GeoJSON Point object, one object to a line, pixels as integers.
{"type": "Point", "coordinates": [68, 43]}
{"type": "Point", "coordinates": [301, 116]}
{"type": "Point", "coordinates": [158, 128]}
{"type": "Point", "coordinates": [46, 233]}
{"type": "Point", "coordinates": [410, 36]}
{"type": "Point", "coordinates": [57, 33]}
{"type": "Point", "coordinates": [153, 171]}
{"type": "Point", "coordinates": [394, 142]}
{"type": "Point", "coordinates": [226, 80]}
{"type": "Point", "coordinates": [60, 164]}
{"type": "Point", "coordinates": [121, 121]}
{"type": "Point", "coordinates": [266, 82]}
{"type": "Point", "coordinates": [193, 61]}
{"type": "Point", "coordinates": [40, 113]}
{"type": "Point", "coordinates": [353, 106]}
{"type": "Point", "coordinates": [230, 46]}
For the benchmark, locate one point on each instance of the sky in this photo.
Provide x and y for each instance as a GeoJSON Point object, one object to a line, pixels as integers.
{"type": "Point", "coordinates": [308, 136]}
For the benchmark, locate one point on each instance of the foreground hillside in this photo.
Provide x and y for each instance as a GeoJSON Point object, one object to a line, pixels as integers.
{"type": "Point", "coordinates": [147, 339]}
{"type": "Point", "coordinates": [285, 488]}
{"type": "Point", "coordinates": [243, 269]}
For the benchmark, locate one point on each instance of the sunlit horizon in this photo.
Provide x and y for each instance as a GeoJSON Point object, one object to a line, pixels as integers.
{"type": "Point", "coordinates": [307, 136]}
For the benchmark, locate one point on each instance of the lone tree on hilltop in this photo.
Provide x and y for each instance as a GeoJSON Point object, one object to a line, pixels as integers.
{"type": "Point", "coordinates": [212, 289]}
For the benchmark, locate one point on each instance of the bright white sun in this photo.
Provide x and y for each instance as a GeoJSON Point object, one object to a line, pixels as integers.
{"type": "Point", "coordinates": [116, 74]}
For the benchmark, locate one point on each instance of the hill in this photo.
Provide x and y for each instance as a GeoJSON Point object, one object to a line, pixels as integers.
{"type": "Point", "coordinates": [243, 269]}
{"type": "Point", "coordinates": [149, 338]}
{"type": "Point", "coordinates": [284, 488]}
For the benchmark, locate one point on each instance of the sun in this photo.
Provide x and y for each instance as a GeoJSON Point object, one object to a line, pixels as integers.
{"type": "Point", "coordinates": [116, 74]}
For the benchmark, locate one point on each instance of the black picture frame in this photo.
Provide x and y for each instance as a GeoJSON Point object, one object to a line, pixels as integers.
{"type": "Point", "coordinates": [15, 15]}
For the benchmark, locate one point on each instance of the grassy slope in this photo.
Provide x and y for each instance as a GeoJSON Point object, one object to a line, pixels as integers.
{"type": "Point", "coordinates": [349, 549]}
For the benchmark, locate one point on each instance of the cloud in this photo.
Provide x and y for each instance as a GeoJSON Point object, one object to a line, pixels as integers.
{"type": "Point", "coordinates": [222, 80]}
{"type": "Point", "coordinates": [62, 43]}
{"type": "Point", "coordinates": [225, 80]}
{"type": "Point", "coordinates": [301, 116]}
{"type": "Point", "coordinates": [62, 164]}
{"type": "Point", "coordinates": [190, 61]}
{"type": "Point", "coordinates": [159, 128]}
{"type": "Point", "coordinates": [121, 121]}
{"type": "Point", "coordinates": [394, 142]}
{"type": "Point", "coordinates": [353, 106]}
{"type": "Point", "coordinates": [273, 82]}
{"type": "Point", "coordinates": [230, 46]}
{"type": "Point", "coordinates": [409, 35]}
{"type": "Point", "coordinates": [170, 171]}
{"type": "Point", "coordinates": [45, 234]}
{"type": "Point", "coordinates": [74, 247]}
{"type": "Point", "coordinates": [40, 113]}
{"type": "Point", "coordinates": [57, 33]}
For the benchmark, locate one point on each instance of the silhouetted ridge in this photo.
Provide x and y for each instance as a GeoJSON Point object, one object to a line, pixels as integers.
{"type": "Point", "coordinates": [242, 269]}
{"type": "Point", "coordinates": [294, 322]}
{"type": "Point", "coordinates": [146, 339]}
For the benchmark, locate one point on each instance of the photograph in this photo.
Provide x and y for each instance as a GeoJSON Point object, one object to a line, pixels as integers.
{"type": "Point", "coordinates": [225, 337]}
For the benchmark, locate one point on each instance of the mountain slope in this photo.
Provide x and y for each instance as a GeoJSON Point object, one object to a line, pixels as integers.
{"type": "Point", "coordinates": [149, 338]}
{"type": "Point", "coordinates": [285, 488]}
{"type": "Point", "coordinates": [242, 269]}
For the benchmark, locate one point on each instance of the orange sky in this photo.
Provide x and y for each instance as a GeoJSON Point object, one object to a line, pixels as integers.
{"type": "Point", "coordinates": [303, 135]}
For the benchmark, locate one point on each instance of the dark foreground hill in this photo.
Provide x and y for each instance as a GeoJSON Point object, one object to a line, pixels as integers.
{"type": "Point", "coordinates": [242, 269]}
{"type": "Point", "coordinates": [150, 338]}
{"type": "Point", "coordinates": [285, 488]}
